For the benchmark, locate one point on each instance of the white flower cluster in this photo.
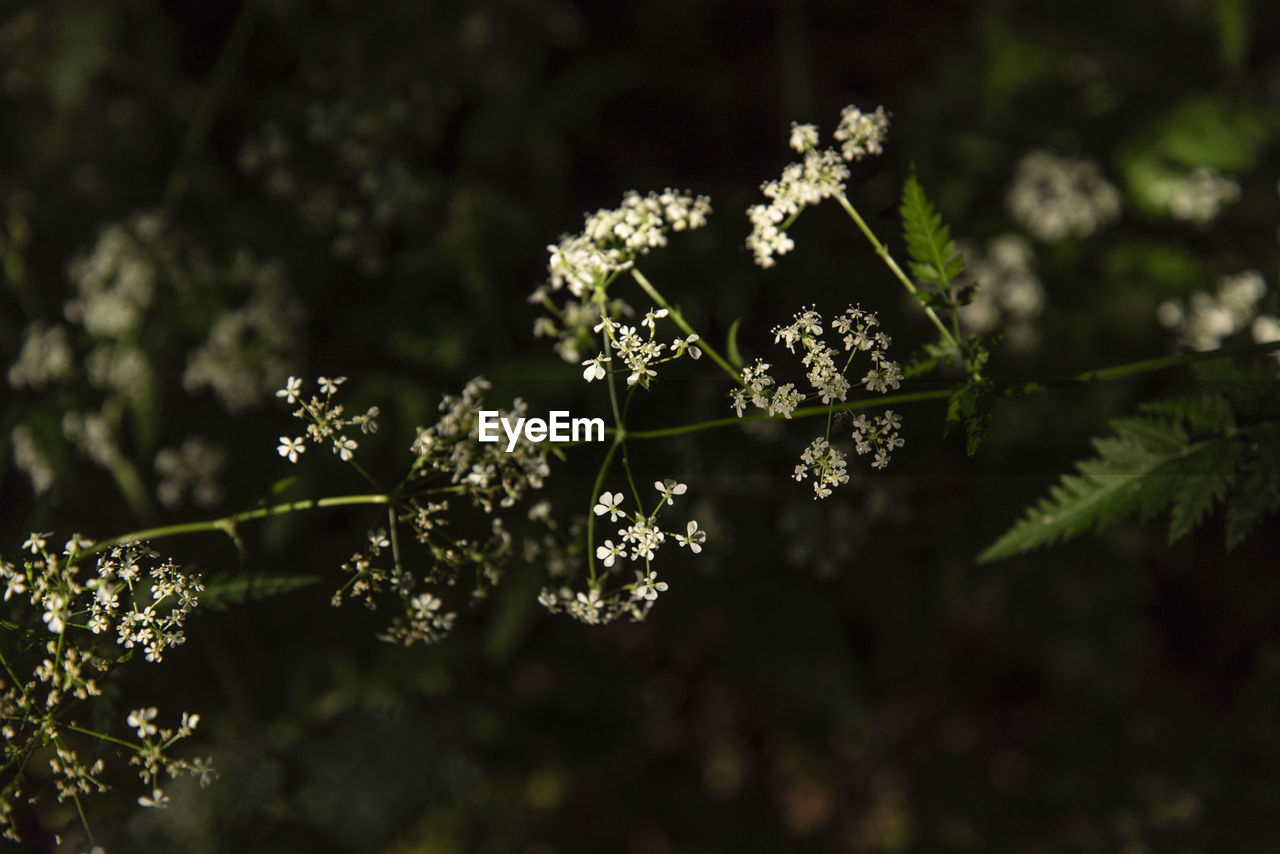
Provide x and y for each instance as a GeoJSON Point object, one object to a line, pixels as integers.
{"type": "Point", "coordinates": [1197, 196]}
{"type": "Point", "coordinates": [425, 621]}
{"type": "Point", "coordinates": [825, 371]}
{"type": "Point", "coordinates": [135, 275]}
{"type": "Point", "coordinates": [485, 471]}
{"type": "Point", "coordinates": [609, 243]}
{"type": "Point", "coordinates": [825, 365]}
{"type": "Point", "coordinates": [1208, 319]}
{"type": "Point", "coordinates": [325, 419]}
{"type": "Point", "coordinates": [192, 469]}
{"type": "Point", "coordinates": [638, 540]}
{"type": "Point", "coordinates": [249, 347]}
{"type": "Point", "coordinates": [116, 281]}
{"type": "Point", "coordinates": [131, 598]}
{"type": "Point", "coordinates": [1055, 197]}
{"type": "Point", "coordinates": [860, 134]}
{"type": "Point", "coordinates": [611, 240]}
{"type": "Point", "coordinates": [153, 765]}
{"type": "Point", "coordinates": [1008, 293]}
{"type": "Point", "coordinates": [45, 357]}
{"type": "Point", "coordinates": [487, 474]}
{"type": "Point", "coordinates": [820, 175]}
{"type": "Point", "coordinates": [351, 173]}
{"type": "Point", "coordinates": [639, 353]}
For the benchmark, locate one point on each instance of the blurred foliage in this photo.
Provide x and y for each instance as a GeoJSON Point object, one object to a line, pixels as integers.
{"type": "Point", "coordinates": [830, 677]}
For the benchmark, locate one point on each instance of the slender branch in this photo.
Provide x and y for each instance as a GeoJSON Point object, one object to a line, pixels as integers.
{"type": "Point", "coordinates": [1162, 362]}
{"type": "Point", "coordinates": [227, 523]}
{"type": "Point", "coordinates": [801, 412]}
{"type": "Point", "coordinates": [219, 82]}
{"type": "Point", "coordinates": [1115, 372]}
{"type": "Point", "coordinates": [883, 252]}
{"type": "Point", "coordinates": [703, 344]}
{"type": "Point", "coordinates": [591, 499]}
{"type": "Point", "coordinates": [100, 735]}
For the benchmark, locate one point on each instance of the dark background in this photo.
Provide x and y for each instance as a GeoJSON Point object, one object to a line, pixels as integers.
{"type": "Point", "coordinates": [835, 676]}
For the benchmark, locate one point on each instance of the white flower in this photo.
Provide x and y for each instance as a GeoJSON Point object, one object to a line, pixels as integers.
{"type": "Point", "coordinates": [610, 503]}
{"type": "Point", "coordinates": [55, 613]}
{"type": "Point", "coordinates": [694, 538]}
{"type": "Point", "coordinates": [652, 316]}
{"type": "Point", "coordinates": [292, 389]}
{"type": "Point", "coordinates": [424, 604]}
{"type": "Point", "coordinates": [158, 799]}
{"type": "Point", "coordinates": [608, 552]}
{"type": "Point", "coordinates": [590, 603]}
{"type": "Point", "coordinates": [344, 447]}
{"type": "Point", "coordinates": [861, 133]}
{"type": "Point", "coordinates": [17, 584]}
{"type": "Point", "coordinates": [142, 720]}
{"type": "Point", "coordinates": [291, 448]}
{"type": "Point", "coordinates": [36, 542]}
{"type": "Point", "coordinates": [594, 368]}
{"type": "Point", "coordinates": [75, 544]}
{"type": "Point", "coordinates": [803, 137]}
{"type": "Point", "coordinates": [668, 488]}
{"type": "Point", "coordinates": [329, 386]}
{"type": "Point", "coordinates": [647, 587]}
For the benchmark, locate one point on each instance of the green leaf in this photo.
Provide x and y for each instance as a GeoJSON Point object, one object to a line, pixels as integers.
{"type": "Point", "coordinates": [223, 591]}
{"type": "Point", "coordinates": [934, 258]}
{"type": "Point", "coordinates": [282, 485]}
{"type": "Point", "coordinates": [735, 356]}
{"type": "Point", "coordinates": [1108, 488]}
{"type": "Point", "coordinates": [1208, 476]}
{"type": "Point", "coordinates": [971, 406]}
{"type": "Point", "coordinates": [1259, 490]}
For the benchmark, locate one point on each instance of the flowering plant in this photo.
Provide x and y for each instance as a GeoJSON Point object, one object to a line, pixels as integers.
{"type": "Point", "coordinates": [449, 523]}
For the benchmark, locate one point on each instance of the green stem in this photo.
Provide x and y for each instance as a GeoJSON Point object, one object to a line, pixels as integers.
{"type": "Point", "coordinates": [1115, 372]}
{"type": "Point", "coordinates": [216, 90]}
{"type": "Point", "coordinates": [883, 252]}
{"type": "Point", "coordinates": [1162, 362]}
{"type": "Point", "coordinates": [675, 314]}
{"type": "Point", "coordinates": [100, 735]}
{"type": "Point", "coordinates": [591, 503]}
{"type": "Point", "coordinates": [227, 523]}
{"type": "Point", "coordinates": [132, 488]}
{"type": "Point", "coordinates": [801, 412]}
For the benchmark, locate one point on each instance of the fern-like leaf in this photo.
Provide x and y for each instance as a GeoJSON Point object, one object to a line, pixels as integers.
{"type": "Point", "coordinates": [1208, 476]}
{"type": "Point", "coordinates": [934, 257]}
{"type": "Point", "coordinates": [1110, 487]}
{"type": "Point", "coordinates": [222, 591]}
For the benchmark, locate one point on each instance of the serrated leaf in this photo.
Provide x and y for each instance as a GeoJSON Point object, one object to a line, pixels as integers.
{"type": "Point", "coordinates": [1257, 495]}
{"type": "Point", "coordinates": [1207, 477]}
{"type": "Point", "coordinates": [223, 591]}
{"type": "Point", "coordinates": [1108, 488]}
{"type": "Point", "coordinates": [934, 258]}
{"type": "Point", "coordinates": [971, 406]}
{"type": "Point", "coordinates": [731, 347]}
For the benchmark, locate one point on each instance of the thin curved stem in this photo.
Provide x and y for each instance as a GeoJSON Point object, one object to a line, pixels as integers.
{"type": "Point", "coordinates": [591, 499]}
{"type": "Point", "coordinates": [227, 524]}
{"type": "Point", "coordinates": [675, 314]}
{"type": "Point", "coordinates": [215, 92]}
{"type": "Point", "coordinates": [883, 252]}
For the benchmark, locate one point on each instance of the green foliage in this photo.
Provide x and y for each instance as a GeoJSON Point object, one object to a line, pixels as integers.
{"type": "Point", "coordinates": [223, 591]}
{"type": "Point", "coordinates": [934, 257]}
{"type": "Point", "coordinates": [1186, 455]}
{"type": "Point", "coordinates": [971, 406]}
{"type": "Point", "coordinates": [731, 348]}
